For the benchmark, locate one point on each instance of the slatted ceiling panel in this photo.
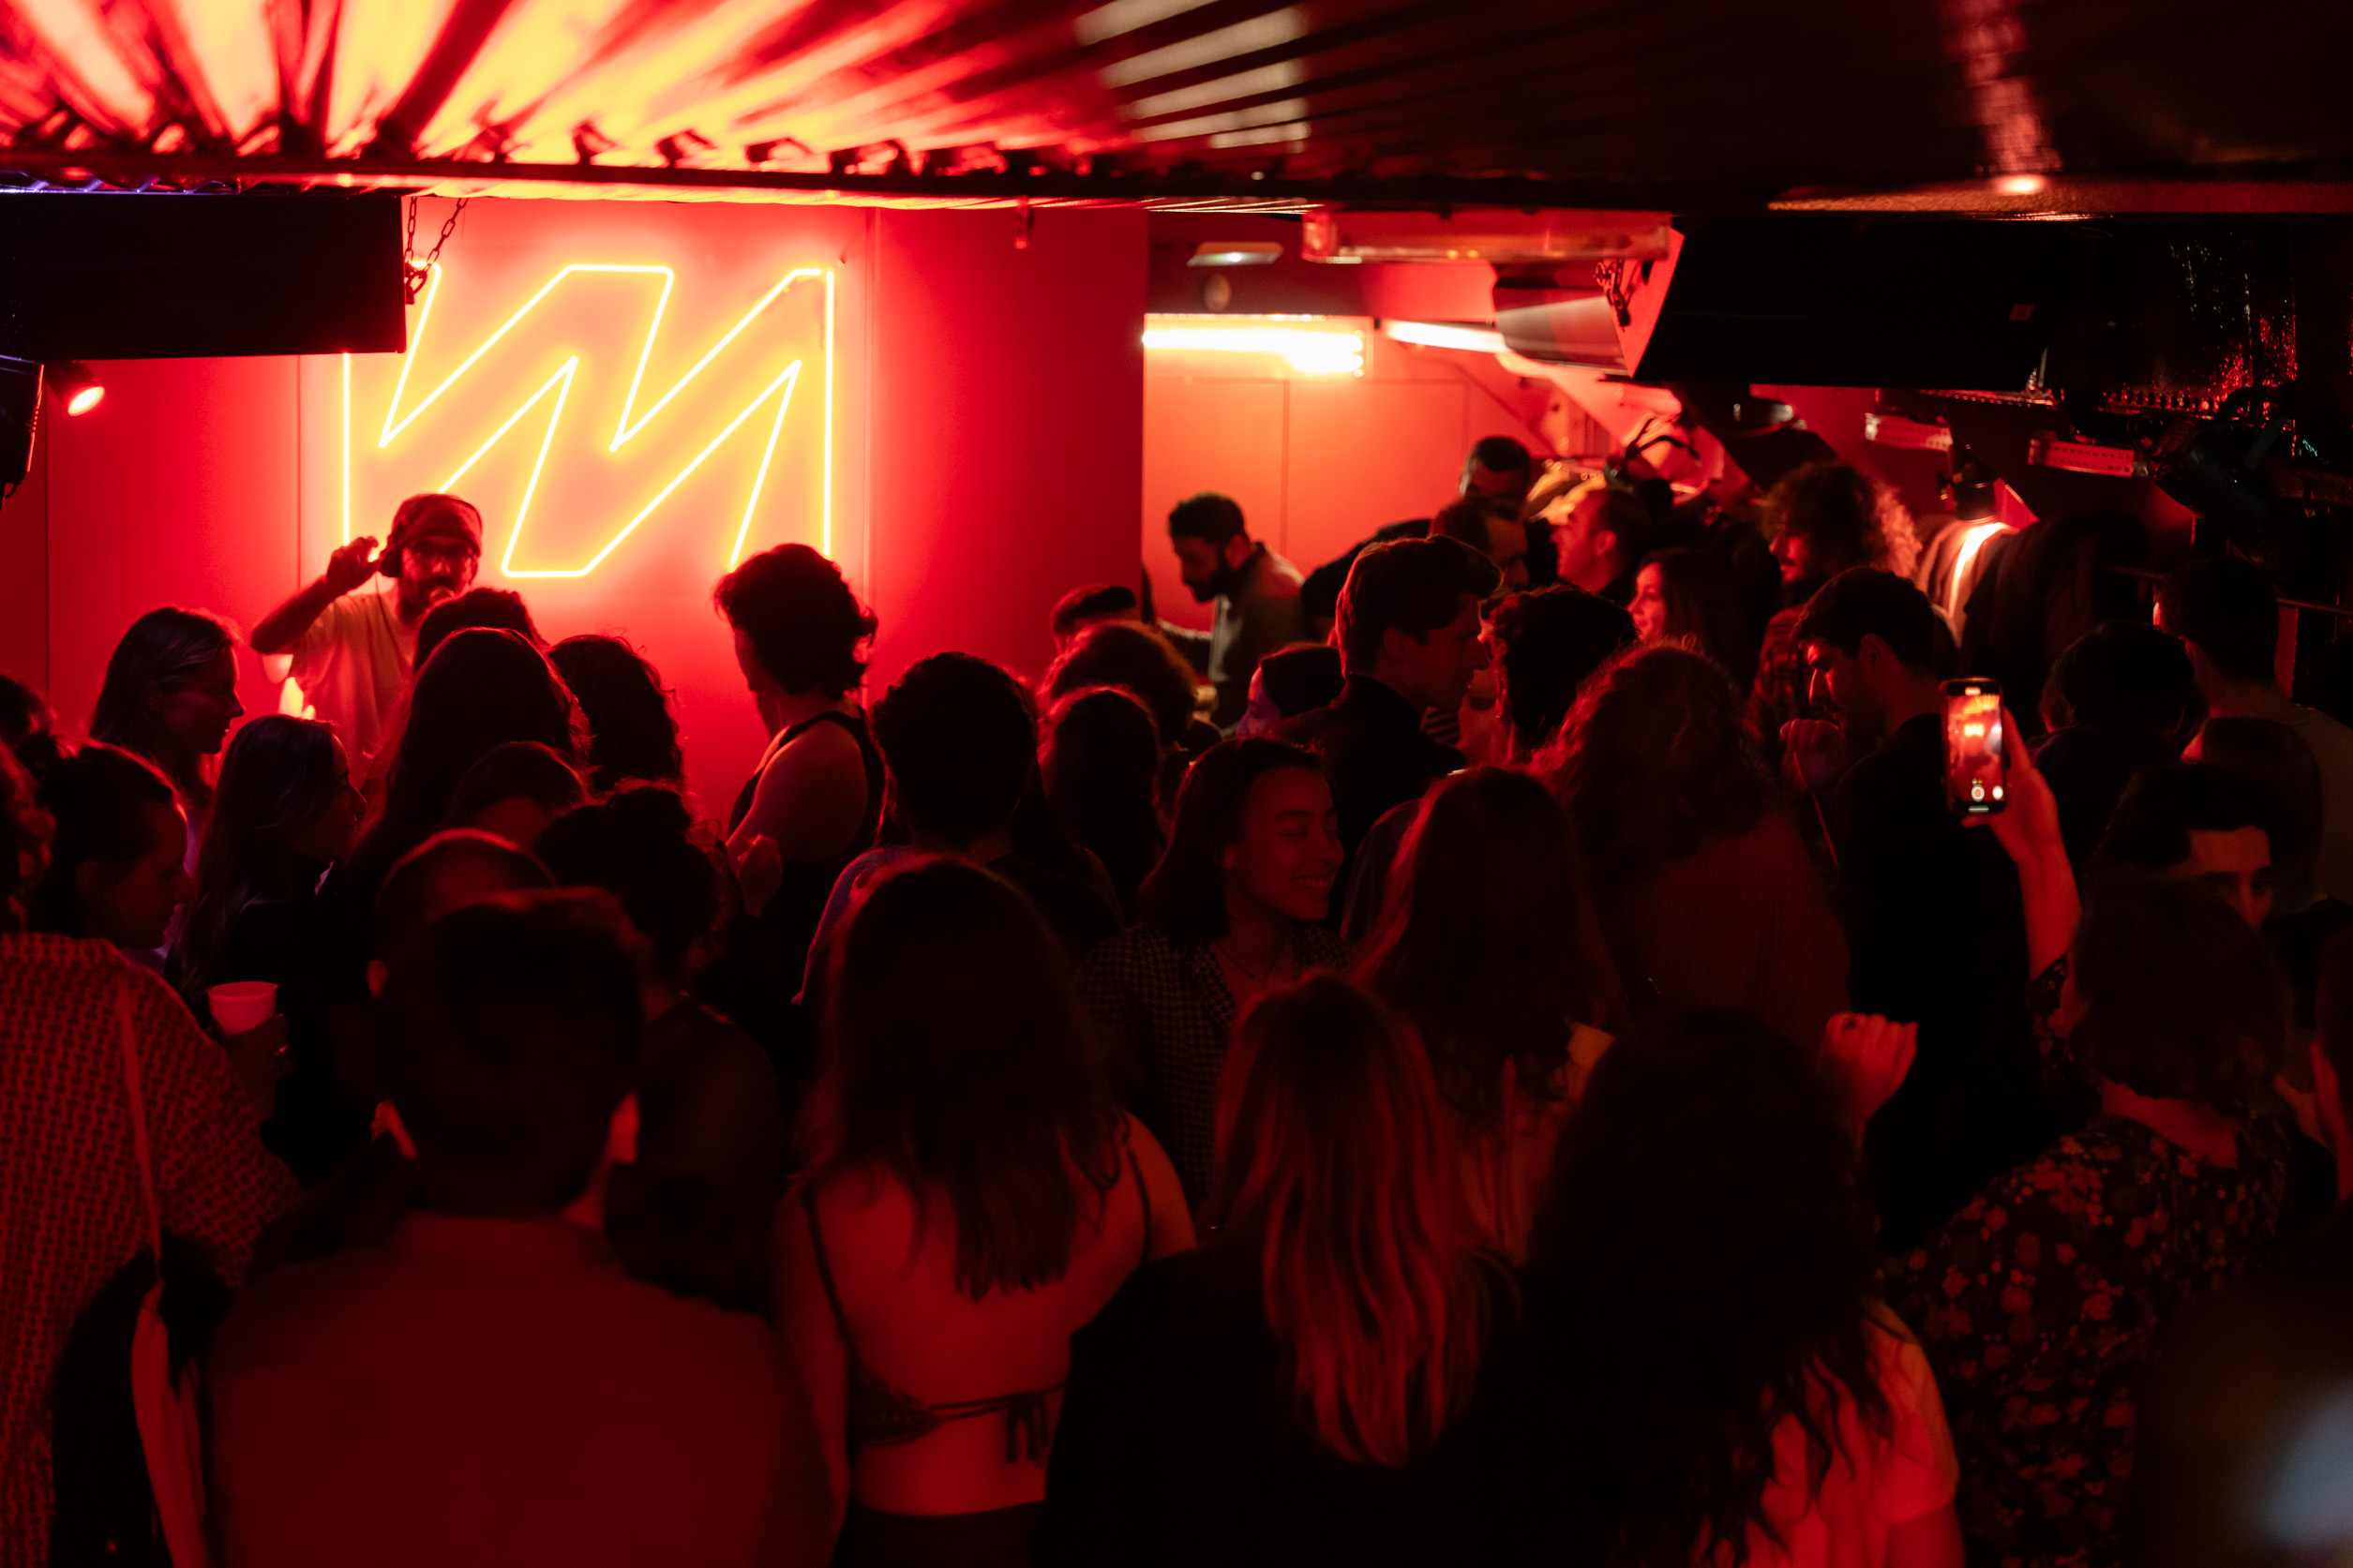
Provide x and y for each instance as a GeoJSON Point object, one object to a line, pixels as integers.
{"type": "Point", "coordinates": [1706, 102]}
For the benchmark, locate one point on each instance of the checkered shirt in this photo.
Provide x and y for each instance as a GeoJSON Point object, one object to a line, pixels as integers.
{"type": "Point", "coordinates": [1164, 1012]}
{"type": "Point", "coordinates": [71, 1210]}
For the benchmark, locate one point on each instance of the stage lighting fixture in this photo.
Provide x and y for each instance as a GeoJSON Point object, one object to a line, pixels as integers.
{"type": "Point", "coordinates": [75, 386]}
{"type": "Point", "coordinates": [20, 411]}
{"type": "Point", "coordinates": [1972, 486]}
{"type": "Point", "coordinates": [1913, 435]}
{"type": "Point", "coordinates": [1754, 414]}
{"type": "Point", "coordinates": [1234, 253]}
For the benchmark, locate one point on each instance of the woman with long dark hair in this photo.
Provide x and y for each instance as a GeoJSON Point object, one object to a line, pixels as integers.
{"type": "Point", "coordinates": [1486, 951]}
{"type": "Point", "coordinates": [1302, 1388]}
{"type": "Point", "coordinates": [1702, 880]}
{"type": "Point", "coordinates": [481, 689]}
{"type": "Point", "coordinates": [169, 695]}
{"type": "Point", "coordinates": [286, 810]}
{"type": "Point", "coordinates": [974, 1195]}
{"type": "Point", "coordinates": [1690, 598]}
{"type": "Point", "coordinates": [1231, 912]}
{"type": "Point", "coordinates": [1724, 1381]}
{"type": "Point", "coordinates": [1099, 767]}
{"type": "Point", "coordinates": [814, 803]}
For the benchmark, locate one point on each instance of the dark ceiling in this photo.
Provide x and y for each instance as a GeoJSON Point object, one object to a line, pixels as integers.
{"type": "Point", "coordinates": [1960, 104]}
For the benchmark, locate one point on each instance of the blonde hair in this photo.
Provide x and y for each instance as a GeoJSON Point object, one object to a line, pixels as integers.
{"type": "Point", "coordinates": [1335, 1168]}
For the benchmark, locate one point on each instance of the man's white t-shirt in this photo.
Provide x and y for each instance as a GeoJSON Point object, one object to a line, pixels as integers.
{"type": "Point", "coordinates": [353, 663]}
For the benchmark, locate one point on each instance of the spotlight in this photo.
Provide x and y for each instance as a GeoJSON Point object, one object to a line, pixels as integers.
{"type": "Point", "coordinates": [72, 382]}
{"type": "Point", "coordinates": [1234, 253]}
{"type": "Point", "coordinates": [1972, 486]}
{"type": "Point", "coordinates": [19, 410]}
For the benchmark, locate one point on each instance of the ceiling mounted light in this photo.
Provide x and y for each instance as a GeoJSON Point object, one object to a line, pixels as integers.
{"type": "Point", "coordinates": [1910, 434]}
{"type": "Point", "coordinates": [1470, 336]}
{"type": "Point", "coordinates": [1972, 486]}
{"type": "Point", "coordinates": [1308, 352]}
{"type": "Point", "coordinates": [75, 386]}
{"type": "Point", "coordinates": [1234, 253]}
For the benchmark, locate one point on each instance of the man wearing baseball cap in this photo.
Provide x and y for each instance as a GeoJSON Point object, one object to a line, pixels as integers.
{"type": "Point", "coordinates": [353, 635]}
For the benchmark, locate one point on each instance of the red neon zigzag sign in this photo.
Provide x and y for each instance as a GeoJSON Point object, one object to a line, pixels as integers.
{"type": "Point", "coordinates": [780, 389]}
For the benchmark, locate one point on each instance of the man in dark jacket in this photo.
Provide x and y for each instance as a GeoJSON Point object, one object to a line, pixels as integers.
{"type": "Point", "coordinates": [1409, 641]}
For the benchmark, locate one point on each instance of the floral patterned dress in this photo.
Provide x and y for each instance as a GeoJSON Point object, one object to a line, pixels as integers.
{"type": "Point", "coordinates": [2040, 1302]}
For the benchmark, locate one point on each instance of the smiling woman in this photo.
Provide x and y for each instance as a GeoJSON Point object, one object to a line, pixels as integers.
{"type": "Point", "coordinates": [1232, 911]}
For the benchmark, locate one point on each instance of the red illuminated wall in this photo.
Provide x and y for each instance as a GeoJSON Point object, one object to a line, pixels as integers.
{"type": "Point", "coordinates": [987, 445]}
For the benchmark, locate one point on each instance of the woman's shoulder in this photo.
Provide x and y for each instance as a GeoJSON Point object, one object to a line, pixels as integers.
{"type": "Point", "coordinates": [829, 740]}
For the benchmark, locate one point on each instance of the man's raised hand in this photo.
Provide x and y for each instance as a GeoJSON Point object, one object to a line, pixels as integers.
{"type": "Point", "coordinates": [351, 565]}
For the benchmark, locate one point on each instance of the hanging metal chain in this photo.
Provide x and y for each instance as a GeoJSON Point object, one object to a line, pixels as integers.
{"type": "Point", "coordinates": [413, 273]}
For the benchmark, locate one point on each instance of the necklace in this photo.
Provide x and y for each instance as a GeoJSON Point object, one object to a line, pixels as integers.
{"type": "Point", "coordinates": [1258, 977]}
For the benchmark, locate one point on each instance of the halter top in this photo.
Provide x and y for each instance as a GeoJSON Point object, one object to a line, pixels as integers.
{"type": "Point", "coordinates": [880, 1416]}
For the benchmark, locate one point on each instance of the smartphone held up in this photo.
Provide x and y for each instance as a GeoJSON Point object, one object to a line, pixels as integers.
{"type": "Point", "coordinates": [1977, 749]}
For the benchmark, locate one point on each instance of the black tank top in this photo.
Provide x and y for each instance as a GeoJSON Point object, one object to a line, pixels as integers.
{"type": "Point", "coordinates": [791, 916]}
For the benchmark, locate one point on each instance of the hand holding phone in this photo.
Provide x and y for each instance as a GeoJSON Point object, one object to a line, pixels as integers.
{"type": "Point", "coordinates": [1976, 748]}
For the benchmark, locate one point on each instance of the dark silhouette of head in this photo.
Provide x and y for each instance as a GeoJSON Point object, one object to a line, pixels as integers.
{"type": "Point", "coordinates": [1549, 641]}
{"type": "Point", "coordinates": [1082, 607]}
{"type": "Point", "coordinates": [1100, 764]}
{"type": "Point", "coordinates": [632, 732]}
{"type": "Point", "coordinates": [1710, 1178]}
{"type": "Point", "coordinates": [1656, 759]}
{"type": "Point", "coordinates": [481, 689]}
{"type": "Point", "coordinates": [1137, 658]}
{"type": "Point", "coordinates": [636, 846]}
{"type": "Point", "coordinates": [108, 810]}
{"type": "Point", "coordinates": [496, 608]}
{"type": "Point", "coordinates": [2227, 610]}
{"type": "Point", "coordinates": [959, 741]}
{"type": "Point", "coordinates": [281, 778]}
{"type": "Point", "coordinates": [2125, 676]}
{"type": "Point", "coordinates": [507, 1034]}
{"type": "Point", "coordinates": [2182, 997]}
{"type": "Point", "coordinates": [449, 870]}
{"type": "Point", "coordinates": [801, 622]}
{"type": "Point", "coordinates": [1478, 941]}
{"type": "Point", "coordinates": [516, 790]}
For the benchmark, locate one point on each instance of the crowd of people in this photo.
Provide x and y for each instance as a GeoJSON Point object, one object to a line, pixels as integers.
{"type": "Point", "coordinates": [1499, 1051]}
